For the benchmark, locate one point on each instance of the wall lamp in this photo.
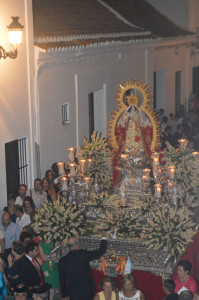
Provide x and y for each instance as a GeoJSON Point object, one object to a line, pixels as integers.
{"type": "Point", "coordinates": [15, 35]}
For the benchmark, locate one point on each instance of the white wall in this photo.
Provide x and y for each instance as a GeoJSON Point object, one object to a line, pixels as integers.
{"type": "Point", "coordinates": [15, 86]}
{"type": "Point", "coordinates": [96, 67]}
{"type": "Point", "coordinates": [160, 88]}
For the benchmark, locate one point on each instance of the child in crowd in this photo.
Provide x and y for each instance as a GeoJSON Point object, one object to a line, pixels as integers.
{"type": "Point", "coordinates": [169, 287]}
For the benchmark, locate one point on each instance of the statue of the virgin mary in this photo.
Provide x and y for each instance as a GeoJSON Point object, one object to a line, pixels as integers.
{"type": "Point", "coordinates": [134, 131]}
{"type": "Point", "coordinates": [133, 127]}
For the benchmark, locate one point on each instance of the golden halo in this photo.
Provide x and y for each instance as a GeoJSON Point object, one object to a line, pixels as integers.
{"type": "Point", "coordinates": [137, 88]}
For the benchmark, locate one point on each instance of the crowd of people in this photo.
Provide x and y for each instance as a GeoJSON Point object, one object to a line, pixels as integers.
{"type": "Point", "coordinates": [25, 261]}
{"type": "Point", "coordinates": [180, 126]}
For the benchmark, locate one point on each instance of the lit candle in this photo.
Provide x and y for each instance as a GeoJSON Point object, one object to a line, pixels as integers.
{"type": "Point", "coordinates": [64, 182]}
{"type": "Point", "coordinates": [144, 178]}
{"type": "Point", "coordinates": [61, 167]}
{"type": "Point", "coordinates": [158, 190]}
{"type": "Point", "coordinates": [82, 163]}
{"type": "Point", "coordinates": [195, 154]}
{"type": "Point", "coordinates": [72, 170]}
{"type": "Point", "coordinates": [124, 156]}
{"type": "Point", "coordinates": [90, 162]}
{"type": "Point", "coordinates": [183, 143]}
{"type": "Point", "coordinates": [171, 170]}
{"type": "Point", "coordinates": [155, 158]}
{"type": "Point", "coordinates": [71, 154]}
{"type": "Point", "coordinates": [147, 174]}
{"type": "Point", "coordinates": [87, 181]}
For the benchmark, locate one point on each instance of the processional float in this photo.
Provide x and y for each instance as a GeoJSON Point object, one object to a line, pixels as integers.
{"type": "Point", "coordinates": [125, 185]}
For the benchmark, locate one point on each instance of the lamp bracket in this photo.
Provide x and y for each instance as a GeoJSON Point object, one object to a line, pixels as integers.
{"type": "Point", "coordinates": [4, 54]}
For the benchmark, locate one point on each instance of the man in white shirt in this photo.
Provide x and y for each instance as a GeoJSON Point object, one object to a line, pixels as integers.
{"type": "Point", "coordinates": [22, 194]}
{"type": "Point", "coordinates": [22, 218]}
{"type": "Point", "coordinates": [37, 194]}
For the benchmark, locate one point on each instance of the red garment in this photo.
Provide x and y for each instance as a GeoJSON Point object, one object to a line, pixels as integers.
{"type": "Point", "coordinates": [191, 255]}
{"type": "Point", "coordinates": [41, 261]}
{"type": "Point", "coordinates": [38, 270]}
{"type": "Point", "coordinates": [190, 284]}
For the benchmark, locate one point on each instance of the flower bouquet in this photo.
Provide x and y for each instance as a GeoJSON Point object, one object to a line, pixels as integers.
{"type": "Point", "coordinates": [120, 223]}
{"type": "Point", "coordinates": [99, 151]}
{"type": "Point", "coordinates": [57, 222]}
{"type": "Point", "coordinates": [169, 229]}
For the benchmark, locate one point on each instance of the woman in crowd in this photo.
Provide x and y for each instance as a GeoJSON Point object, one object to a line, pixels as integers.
{"type": "Point", "coordinates": [50, 175]}
{"type": "Point", "coordinates": [50, 267]}
{"type": "Point", "coordinates": [29, 208]}
{"type": "Point", "coordinates": [184, 279]}
{"type": "Point", "coordinates": [108, 290]}
{"type": "Point", "coordinates": [129, 291]}
{"type": "Point", "coordinates": [12, 272]}
{"type": "Point", "coordinates": [49, 189]}
{"type": "Point", "coordinates": [11, 207]}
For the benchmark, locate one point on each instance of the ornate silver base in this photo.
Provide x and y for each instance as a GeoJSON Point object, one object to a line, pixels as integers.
{"type": "Point", "coordinates": [160, 263]}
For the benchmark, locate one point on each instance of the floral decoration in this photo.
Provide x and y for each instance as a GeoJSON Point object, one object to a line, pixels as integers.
{"type": "Point", "coordinates": [98, 200]}
{"type": "Point", "coordinates": [169, 229]}
{"type": "Point", "coordinates": [99, 151]}
{"type": "Point", "coordinates": [57, 222]}
{"type": "Point", "coordinates": [120, 223]}
{"type": "Point", "coordinates": [187, 170]}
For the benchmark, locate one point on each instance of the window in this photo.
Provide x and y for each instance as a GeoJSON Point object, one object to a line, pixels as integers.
{"type": "Point", "coordinates": [65, 113]}
{"type": "Point", "coordinates": [196, 80]}
{"type": "Point", "coordinates": [23, 165]}
{"type": "Point", "coordinates": [91, 114]}
{"type": "Point", "coordinates": [178, 81]}
{"type": "Point", "coordinates": [16, 164]}
{"type": "Point", "coordinates": [97, 111]}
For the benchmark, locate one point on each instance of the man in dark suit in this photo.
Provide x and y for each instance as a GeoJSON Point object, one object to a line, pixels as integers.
{"type": "Point", "coordinates": [30, 272]}
{"type": "Point", "coordinates": [76, 280]}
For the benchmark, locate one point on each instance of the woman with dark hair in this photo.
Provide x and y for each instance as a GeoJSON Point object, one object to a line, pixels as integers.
{"type": "Point", "coordinates": [29, 208]}
{"type": "Point", "coordinates": [50, 175]}
{"type": "Point", "coordinates": [184, 279]}
{"type": "Point", "coordinates": [108, 290]}
{"type": "Point", "coordinates": [12, 272]}
{"type": "Point", "coordinates": [49, 189]}
{"type": "Point", "coordinates": [129, 291]}
{"type": "Point", "coordinates": [11, 207]}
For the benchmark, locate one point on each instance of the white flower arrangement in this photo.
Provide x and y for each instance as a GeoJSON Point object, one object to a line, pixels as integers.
{"type": "Point", "coordinates": [99, 151]}
{"type": "Point", "coordinates": [57, 222]}
{"type": "Point", "coordinates": [122, 222]}
{"type": "Point", "coordinates": [187, 171]}
{"type": "Point", "coordinates": [169, 229]}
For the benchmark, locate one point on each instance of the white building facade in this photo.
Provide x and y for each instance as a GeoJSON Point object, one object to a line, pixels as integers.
{"type": "Point", "coordinates": [45, 78]}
